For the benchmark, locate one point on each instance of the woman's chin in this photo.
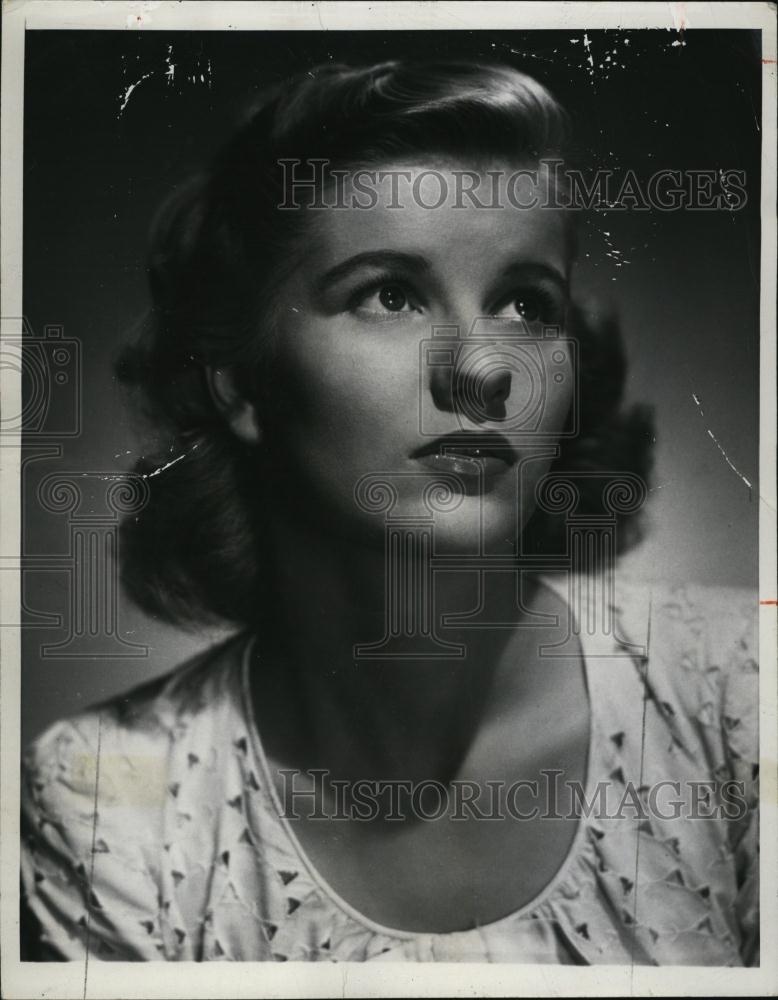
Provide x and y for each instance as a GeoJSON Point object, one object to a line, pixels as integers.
{"type": "Point", "coordinates": [480, 532]}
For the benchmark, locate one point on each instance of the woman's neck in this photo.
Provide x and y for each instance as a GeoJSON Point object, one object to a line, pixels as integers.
{"type": "Point", "coordinates": [407, 717]}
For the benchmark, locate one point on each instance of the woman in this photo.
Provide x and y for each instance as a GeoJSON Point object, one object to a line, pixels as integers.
{"type": "Point", "coordinates": [429, 739]}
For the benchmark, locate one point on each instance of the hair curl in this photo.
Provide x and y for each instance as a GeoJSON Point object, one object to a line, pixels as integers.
{"type": "Point", "coordinates": [192, 555]}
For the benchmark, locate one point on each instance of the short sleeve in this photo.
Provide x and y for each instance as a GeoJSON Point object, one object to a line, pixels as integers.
{"type": "Point", "coordinates": [86, 884]}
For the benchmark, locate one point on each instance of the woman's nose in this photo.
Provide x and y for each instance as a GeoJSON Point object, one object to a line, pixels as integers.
{"type": "Point", "coordinates": [475, 384]}
{"type": "Point", "coordinates": [495, 387]}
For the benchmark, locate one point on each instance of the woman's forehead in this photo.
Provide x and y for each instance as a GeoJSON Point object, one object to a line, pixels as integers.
{"type": "Point", "coordinates": [443, 212]}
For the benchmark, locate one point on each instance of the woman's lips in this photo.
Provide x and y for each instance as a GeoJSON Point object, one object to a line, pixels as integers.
{"type": "Point", "coordinates": [478, 457]}
{"type": "Point", "coordinates": [464, 464]}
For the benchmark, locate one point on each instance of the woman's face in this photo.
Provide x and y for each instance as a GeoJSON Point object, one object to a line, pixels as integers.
{"type": "Point", "coordinates": [364, 383]}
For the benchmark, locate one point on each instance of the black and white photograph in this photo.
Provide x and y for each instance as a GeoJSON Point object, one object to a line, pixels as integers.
{"type": "Point", "coordinates": [388, 480]}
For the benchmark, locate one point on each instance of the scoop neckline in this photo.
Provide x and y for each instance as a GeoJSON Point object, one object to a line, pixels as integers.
{"type": "Point", "coordinates": [331, 893]}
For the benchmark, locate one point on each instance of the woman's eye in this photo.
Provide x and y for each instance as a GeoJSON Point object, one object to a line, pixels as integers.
{"type": "Point", "coordinates": [530, 307]}
{"type": "Point", "coordinates": [527, 308]}
{"type": "Point", "coordinates": [393, 298]}
{"type": "Point", "coordinates": [386, 299]}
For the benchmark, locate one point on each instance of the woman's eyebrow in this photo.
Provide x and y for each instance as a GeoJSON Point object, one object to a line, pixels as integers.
{"type": "Point", "coordinates": [372, 258]}
{"type": "Point", "coordinates": [534, 269]}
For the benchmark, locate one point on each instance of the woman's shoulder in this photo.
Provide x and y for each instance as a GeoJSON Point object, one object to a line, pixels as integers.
{"type": "Point", "coordinates": [700, 670]}
{"type": "Point", "coordinates": [707, 637]}
{"type": "Point", "coordinates": [128, 741]}
{"type": "Point", "coordinates": [118, 797]}
{"type": "Point", "coordinates": [696, 628]}
{"type": "Point", "coordinates": [681, 662]}
{"type": "Point", "coordinates": [725, 614]}
{"type": "Point", "coordinates": [708, 634]}
{"type": "Point", "coordinates": [710, 627]}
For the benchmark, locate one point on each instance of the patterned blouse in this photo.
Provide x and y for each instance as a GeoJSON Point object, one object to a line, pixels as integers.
{"type": "Point", "coordinates": [153, 830]}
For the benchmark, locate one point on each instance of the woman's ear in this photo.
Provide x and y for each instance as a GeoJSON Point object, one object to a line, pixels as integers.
{"type": "Point", "coordinates": [240, 414]}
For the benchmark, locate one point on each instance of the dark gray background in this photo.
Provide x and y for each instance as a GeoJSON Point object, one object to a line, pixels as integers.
{"type": "Point", "coordinates": [94, 172]}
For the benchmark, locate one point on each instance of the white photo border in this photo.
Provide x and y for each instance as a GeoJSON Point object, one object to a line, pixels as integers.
{"type": "Point", "coordinates": [211, 980]}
